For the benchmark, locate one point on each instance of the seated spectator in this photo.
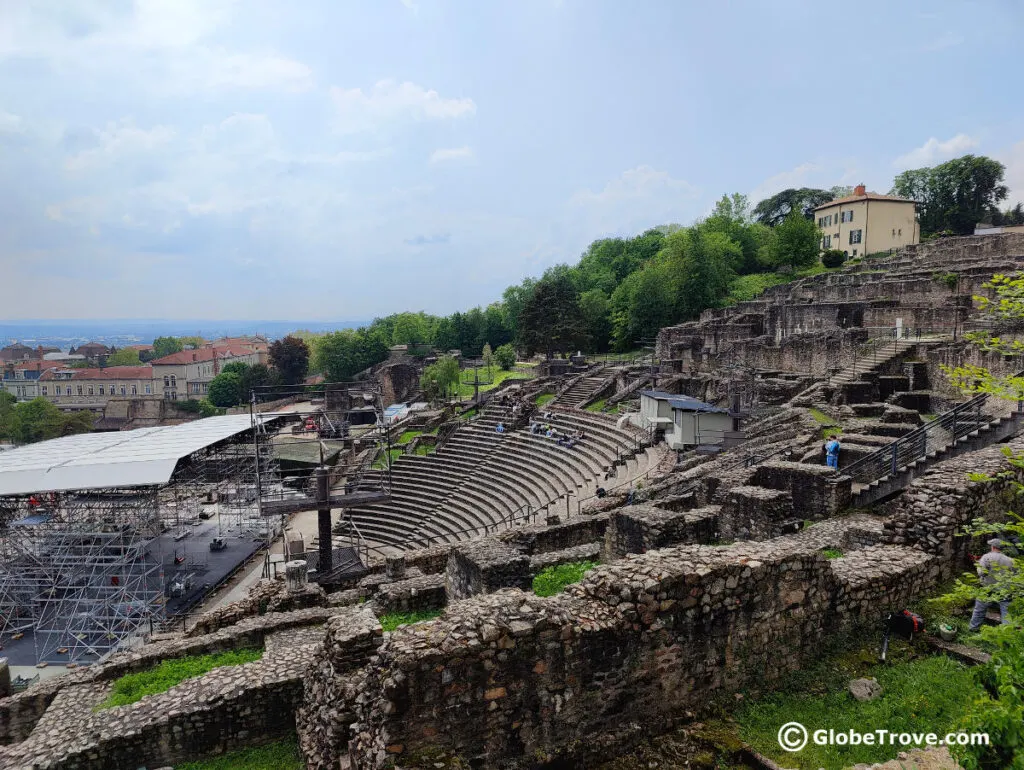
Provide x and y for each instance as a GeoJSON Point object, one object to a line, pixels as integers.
{"type": "Point", "coordinates": [601, 492]}
{"type": "Point", "coordinates": [500, 428]}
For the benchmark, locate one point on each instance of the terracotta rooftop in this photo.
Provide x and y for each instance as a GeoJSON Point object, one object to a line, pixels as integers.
{"type": "Point", "coordinates": [204, 354]}
{"type": "Point", "coordinates": [860, 194]}
{"type": "Point", "coordinates": [109, 373]}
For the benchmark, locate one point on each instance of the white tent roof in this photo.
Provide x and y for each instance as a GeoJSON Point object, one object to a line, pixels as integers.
{"type": "Point", "coordinates": [134, 458]}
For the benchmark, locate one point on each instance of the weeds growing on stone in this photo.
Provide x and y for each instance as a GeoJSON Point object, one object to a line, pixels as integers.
{"type": "Point", "coordinates": [832, 553]}
{"type": "Point", "coordinates": [553, 580]}
{"type": "Point", "coordinates": [283, 755]}
{"type": "Point", "coordinates": [133, 687]}
{"type": "Point", "coordinates": [392, 620]}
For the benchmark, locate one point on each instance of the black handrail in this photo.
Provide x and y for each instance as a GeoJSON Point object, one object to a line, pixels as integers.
{"type": "Point", "coordinates": [958, 422]}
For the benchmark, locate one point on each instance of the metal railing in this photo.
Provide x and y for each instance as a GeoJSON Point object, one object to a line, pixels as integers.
{"type": "Point", "coordinates": [941, 432]}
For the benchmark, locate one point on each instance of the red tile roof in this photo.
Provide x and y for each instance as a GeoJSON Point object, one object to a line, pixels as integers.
{"type": "Point", "coordinates": [203, 354]}
{"type": "Point", "coordinates": [109, 373]}
{"type": "Point", "coordinates": [868, 196]}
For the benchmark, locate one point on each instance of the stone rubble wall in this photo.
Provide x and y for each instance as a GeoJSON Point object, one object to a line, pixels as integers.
{"type": "Point", "coordinates": [937, 505]}
{"type": "Point", "coordinates": [642, 528]}
{"type": "Point", "coordinates": [20, 713]}
{"type": "Point", "coordinates": [265, 596]}
{"type": "Point", "coordinates": [510, 679]}
{"type": "Point", "coordinates": [227, 708]}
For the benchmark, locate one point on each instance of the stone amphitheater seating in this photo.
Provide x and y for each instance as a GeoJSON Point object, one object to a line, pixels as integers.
{"type": "Point", "coordinates": [480, 480]}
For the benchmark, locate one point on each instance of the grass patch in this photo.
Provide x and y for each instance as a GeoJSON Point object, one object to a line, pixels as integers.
{"type": "Point", "coordinates": [381, 462]}
{"type": "Point", "coordinates": [924, 695]}
{"type": "Point", "coordinates": [134, 687]}
{"type": "Point", "coordinates": [544, 398]}
{"type": "Point", "coordinates": [832, 553]}
{"type": "Point", "coordinates": [392, 620]}
{"type": "Point", "coordinates": [827, 433]}
{"type": "Point", "coordinates": [408, 436]}
{"type": "Point", "coordinates": [424, 449]}
{"type": "Point", "coordinates": [497, 377]}
{"type": "Point", "coordinates": [283, 755]}
{"type": "Point", "coordinates": [820, 416]}
{"type": "Point", "coordinates": [553, 580]}
{"type": "Point", "coordinates": [597, 406]}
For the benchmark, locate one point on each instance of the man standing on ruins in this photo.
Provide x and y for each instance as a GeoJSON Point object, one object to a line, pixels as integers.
{"type": "Point", "coordinates": [832, 453]}
{"type": "Point", "coordinates": [991, 566]}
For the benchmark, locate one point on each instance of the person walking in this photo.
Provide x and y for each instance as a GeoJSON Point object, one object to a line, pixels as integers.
{"type": "Point", "coordinates": [832, 453]}
{"type": "Point", "coordinates": [990, 566]}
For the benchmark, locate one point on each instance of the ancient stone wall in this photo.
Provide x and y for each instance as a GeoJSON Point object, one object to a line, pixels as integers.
{"type": "Point", "coordinates": [935, 507]}
{"type": "Point", "coordinates": [513, 679]}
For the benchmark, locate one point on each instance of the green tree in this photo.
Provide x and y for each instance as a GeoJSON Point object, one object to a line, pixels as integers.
{"type": "Point", "coordinates": [488, 357]}
{"type": "Point", "coordinates": [341, 355]}
{"type": "Point", "coordinates": [505, 356]}
{"type": "Point", "coordinates": [290, 357]}
{"type": "Point", "coordinates": [956, 195]}
{"type": "Point", "coordinates": [551, 319]}
{"type": "Point", "coordinates": [191, 343]}
{"type": "Point", "coordinates": [595, 306]}
{"type": "Point", "coordinates": [735, 207]}
{"type": "Point", "coordinates": [165, 346]}
{"type": "Point", "coordinates": [833, 258]}
{"type": "Point", "coordinates": [124, 357]}
{"type": "Point", "coordinates": [775, 210]}
{"type": "Point", "coordinates": [39, 420]}
{"type": "Point", "coordinates": [440, 378]}
{"type": "Point", "coordinates": [225, 389]}
{"type": "Point", "coordinates": [795, 243]}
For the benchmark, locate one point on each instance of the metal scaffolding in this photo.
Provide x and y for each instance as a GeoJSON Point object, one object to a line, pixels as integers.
{"type": "Point", "coordinates": [83, 571]}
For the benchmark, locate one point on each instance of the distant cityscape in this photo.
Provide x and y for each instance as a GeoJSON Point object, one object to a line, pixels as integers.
{"type": "Point", "coordinates": [67, 333]}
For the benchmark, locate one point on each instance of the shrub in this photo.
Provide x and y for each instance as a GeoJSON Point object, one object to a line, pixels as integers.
{"type": "Point", "coordinates": [133, 687]}
{"type": "Point", "coordinates": [505, 356]}
{"type": "Point", "coordinates": [553, 580]}
{"type": "Point", "coordinates": [949, 280]}
{"type": "Point", "coordinates": [833, 258]}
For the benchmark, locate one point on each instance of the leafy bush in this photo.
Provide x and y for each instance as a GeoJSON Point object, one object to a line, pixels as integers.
{"type": "Point", "coordinates": [748, 287]}
{"type": "Point", "coordinates": [833, 258]}
{"type": "Point", "coordinates": [949, 280]}
{"type": "Point", "coordinates": [505, 356]}
{"type": "Point", "coordinates": [192, 406]}
{"type": "Point", "coordinates": [553, 580]}
{"type": "Point", "coordinates": [133, 687]}
{"type": "Point", "coordinates": [392, 620]}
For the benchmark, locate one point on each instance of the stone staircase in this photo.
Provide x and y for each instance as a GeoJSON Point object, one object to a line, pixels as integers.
{"type": "Point", "coordinates": [893, 467]}
{"type": "Point", "coordinates": [580, 392]}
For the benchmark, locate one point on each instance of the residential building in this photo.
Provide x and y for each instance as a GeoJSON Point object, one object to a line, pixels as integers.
{"type": "Point", "coordinates": [93, 388]}
{"type": "Point", "coordinates": [17, 352]}
{"type": "Point", "coordinates": [94, 352]}
{"type": "Point", "coordinates": [256, 343]}
{"type": "Point", "coordinates": [866, 223]}
{"type": "Point", "coordinates": [188, 374]}
{"type": "Point", "coordinates": [686, 421]}
{"type": "Point", "coordinates": [21, 382]}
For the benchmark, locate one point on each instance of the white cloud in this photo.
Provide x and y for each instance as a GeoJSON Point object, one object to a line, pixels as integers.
{"type": "Point", "coordinates": [934, 151]}
{"type": "Point", "coordinates": [639, 198]}
{"type": "Point", "coordinates": [941, 43]}
{"type": "Point", "coordinates": [389, 101]}
{"type": "Point", "coordinates": [10, 124]}
{"type": "Point", "coordinates": [1013, 159]}
{"type": "Point", "coordinates": [412, 5]}
{"type": "Point", "coordinates": [454, 153]}
{"type": "Point", "coordinates": [794, 177]}
{"type": "Point", "coordinates": [118, 140]}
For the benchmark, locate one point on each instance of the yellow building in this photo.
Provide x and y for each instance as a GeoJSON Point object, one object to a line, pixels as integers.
{"type": "Point", "coordinates": [866, 223]}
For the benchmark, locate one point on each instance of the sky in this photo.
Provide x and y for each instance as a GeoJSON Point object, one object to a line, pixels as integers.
{"type": "Point", "coordinates": [326, 159]}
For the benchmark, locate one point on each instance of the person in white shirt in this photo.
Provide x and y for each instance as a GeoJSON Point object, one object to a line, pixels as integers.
{"type": "Point", "coordinates": [990, 566]}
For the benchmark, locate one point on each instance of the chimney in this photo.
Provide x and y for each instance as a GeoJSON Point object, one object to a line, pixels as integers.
{"type": "Point", "coordinates": [193, 356]}
{"type": "Point", "coordinates": [860, 190]}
